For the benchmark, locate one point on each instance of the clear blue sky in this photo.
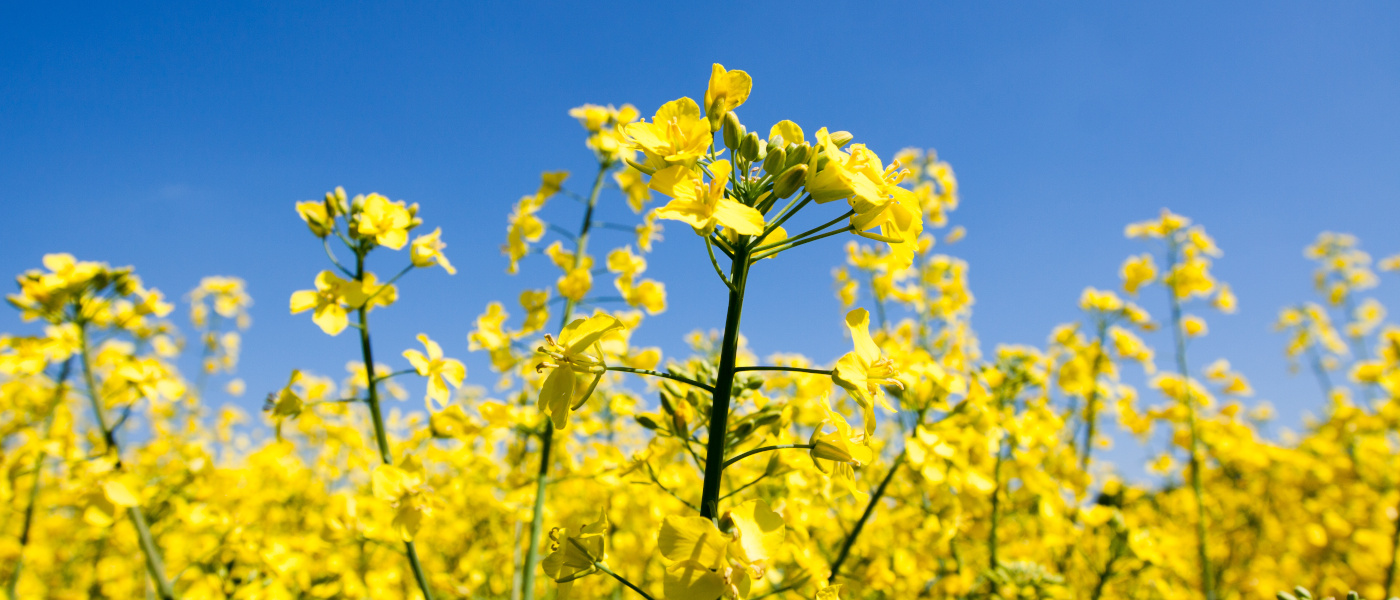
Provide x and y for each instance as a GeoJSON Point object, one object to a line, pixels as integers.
{"type": "Point", "coordinates": [176, 138]}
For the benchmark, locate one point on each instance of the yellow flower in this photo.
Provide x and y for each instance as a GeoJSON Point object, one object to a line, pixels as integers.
{"type": "Point", "coordinates": [676, 135]}
{"type": "Point", "coordinates": [1138, 271]}
{"type": "Point", "coordinates": [575, 284]}
{"type": "Point", "coordinates": [1193, 326]}
{"type": "Point", "coordinates": [317, 216]}
{"type": "Point", "coordinates": [567, 386]}
{"type": "Point", "coordinates": [426, 251]}
{"type": "Point", "coordinates": [727, 91]}
{"type": "Point", "coordinates": [704, 206]}
{"type": "Point", "coordinates": [326, 301]}
{"type": "Point", "coordinates": [572, 557]}
{"type": "Point", "coordinates": [864, 371]}
{"type": "Point", "coordinates": [388, 222]}
{"type": "Point", "coordinates": [710, 563]}
{"type": "Point", "coordinates": [402, 486]}
{"type": "Point", "coordinates": [439, 371]}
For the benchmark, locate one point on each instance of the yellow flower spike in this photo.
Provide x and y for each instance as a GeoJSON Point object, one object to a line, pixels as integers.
{"type": "Point", "coordinates": [864, 371]}
{"type": "Point", "coordinates": [439, 371]}
{"type": "Point", "coordinates": [727, 91]}
{"type": "Point", "coordinates": [704, 206]}
{"type": "Point", "coordinates": [387, 222]}
{"type": "Point", "coordinates": [568, 385]}
{"type": "Point", "coordinates": [576, 283]}
{"type": "Point", "coordinates": [426, 251]}
{"type": "Point", "coordinates": [326, 300]}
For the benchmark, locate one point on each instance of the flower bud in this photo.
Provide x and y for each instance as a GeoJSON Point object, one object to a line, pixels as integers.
{"type": "Point", "coordinates": [798, 154]}
{"type": "Point", "coordinates": [841, 138]}
{"type": "Point", "coordinates": [733, 132]}
{"type": "Point", "coordinates": [716, 111]}
{"type": "Point", "coordinates": [826, 450]}
{"type": "Point", "coordinates": [775, 161]}
{"type": "Point", "coordinates": [647, 422]}
{"type": "Point", "coordinates": [789, 181]}
{"type": "Point", "coordinates": [748, 147]}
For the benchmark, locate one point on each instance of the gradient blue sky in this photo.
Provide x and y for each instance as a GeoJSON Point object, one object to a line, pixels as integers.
{"type": "Point", "coordinates": [176, 137]}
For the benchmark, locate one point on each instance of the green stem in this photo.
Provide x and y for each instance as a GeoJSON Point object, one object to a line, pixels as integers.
{"type": "Point", "coordinates": [765, 449]}
{"type": "Point", "coordinates": [29, 508]}
{"type": "Point", "coordinates": [793, 369]}
{"type": "Point", "coordinates": [1179, 336]}
{"type": "Point", "coordinates": [809, 240]}
{"type": "Point", "coordinates": [800, 236]}
{"type": "Point", "coordinates": [532, 550]}
{"type": "Point", "coordinates": [996, 513]}
{"type": "Point", "coordinates": [864, 517]}
{"type": "Point", "coordinates": [381, 436]}
{"type": "Point", "coordinates": [724, 384]}
{"type": "Point", "coordinates": [671, 376]}
{"type": "Point", "coordinates": [154, 565]}
{"type": "Point", "coordinates": [604, 568]}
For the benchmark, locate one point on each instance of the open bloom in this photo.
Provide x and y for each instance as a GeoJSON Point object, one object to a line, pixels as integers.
{"type": "Point", "coordinates": [575, 555]}
{"type": "Point", "coordinates": [387, 222]}
{"type": "Point", "coordinates": [403, 487]}
{"type": "Point", "coordinates": [426, 251]}
{"type": "Point", "coordinates": [864, 371]}
{"type": "Point", "coordinates": [569, 384]}
{"type": "Point", "coordinates": [704, 206]}
{"type": "Point", "coordinates": [440, 371]}
{"type": "Point", "coordinates": [677, 135]}
{"type": "Point", "coordinates": [711, 562]}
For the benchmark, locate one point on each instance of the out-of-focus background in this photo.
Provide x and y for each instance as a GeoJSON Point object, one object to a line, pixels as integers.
{"type": "Point", "coordinates": [176, 138]}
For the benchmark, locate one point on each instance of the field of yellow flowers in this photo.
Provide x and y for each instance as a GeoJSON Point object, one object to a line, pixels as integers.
{"type": "Point", "coordinates": [918, 465]}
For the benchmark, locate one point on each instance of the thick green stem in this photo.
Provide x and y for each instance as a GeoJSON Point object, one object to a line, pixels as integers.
{"type": "Point", "coordinates": [27, 528]}
{"type": "Point", "coordinates": [996, 511]}
{"type": "Point", "coordinates": [724, 384]}
{"type": "Point", "coordinates": [1197, 488]}
{"type": "Point", "coordinates": [381, 436]}
{"type": "Point", "coordinates": [154, 565]}
{"type": "Point", "coordinates": [864, 517]}
{"type": "Point", "coordinates": [532, 552]}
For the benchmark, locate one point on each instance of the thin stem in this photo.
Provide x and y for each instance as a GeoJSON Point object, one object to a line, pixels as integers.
{"type": "Point", "coordinates": [801, 242]}
{"type": "Point", "coordinates": [154, 565]}
{"type": "Point", "coordinates": [393, 375]}
{"type": "Point", "coordinates": [804, 234]}
{"type": "Point", "coordinates": [864, 517]}
{"type": "Point", "coordinates": [326, 242]}
{"type": "Point", "coordinates": [671, 376]}
{"type": "Point", "coordinates": [710, 248]}
{"type": "Point", "coordinates": [745, 486]}
{"type": "Point", "coordinates": [604, 568]}
{"type": "Point", "coordinates": [785, 214]}
{"type": "Point", "coordinates": [793, 369]}
{"type": "Point", "coordinates": [1179, 336]}
{"type": "Point", "coordinates": [30, 507]}
{"type": "Point", "coordinates": [381, 436]}
{"type": "Point", "coordinates": [766, 449]}
{"type": "Point", "coordinates": [532, 551]}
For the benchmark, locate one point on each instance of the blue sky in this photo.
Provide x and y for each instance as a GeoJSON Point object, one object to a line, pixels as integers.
{"type": "Point", "coordinates": [177, 137]}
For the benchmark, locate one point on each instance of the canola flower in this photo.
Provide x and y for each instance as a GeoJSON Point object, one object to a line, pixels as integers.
{"type": "Point", "coordinates": [611, 470]}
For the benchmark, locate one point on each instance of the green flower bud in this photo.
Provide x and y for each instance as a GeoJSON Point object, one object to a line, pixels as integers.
{"type": "Point", "coordinates": [775, 161]}
{"type": "Point", "coordinates": [748, 148]}
{"type": "Point", "coordinates": [841, 138]}
{"type": "Point", "coordinates": [789, 181]}
{"type": "Point", "coordinates": [733, 132]}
